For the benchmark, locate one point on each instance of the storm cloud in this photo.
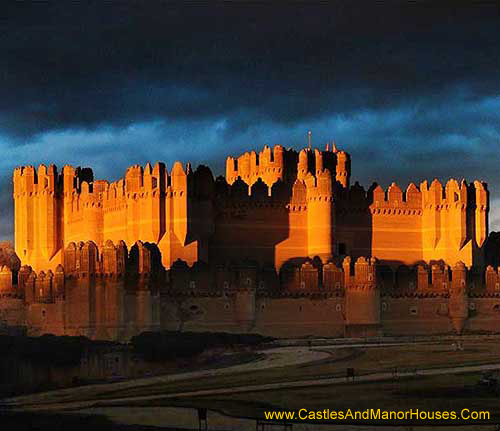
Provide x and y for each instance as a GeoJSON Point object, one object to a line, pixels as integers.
{"type": "Point", "coordinates": [411, 90]}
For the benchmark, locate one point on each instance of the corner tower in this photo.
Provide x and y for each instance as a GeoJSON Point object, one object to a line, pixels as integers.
{"type": "Point", "coordinates": [37, 215]}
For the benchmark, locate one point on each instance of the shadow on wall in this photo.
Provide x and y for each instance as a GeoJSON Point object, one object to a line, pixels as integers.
{"type": "Point", "coordinates": [250, 223]}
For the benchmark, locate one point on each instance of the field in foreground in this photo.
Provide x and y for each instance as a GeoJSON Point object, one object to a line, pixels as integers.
{"type": "Point", "coordinates": [425, 376]}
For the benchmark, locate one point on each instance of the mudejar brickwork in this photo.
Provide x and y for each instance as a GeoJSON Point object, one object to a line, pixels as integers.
{"type": "Point", "coordinates": [283, 245]}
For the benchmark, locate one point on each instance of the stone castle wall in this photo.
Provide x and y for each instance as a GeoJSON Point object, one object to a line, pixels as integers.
{"type": "Point", "coordinates": [275, 206]}
{"type": "Point", "coordinates": [113, 293]}
{"type": "Point", "coordinates": [278, 246]}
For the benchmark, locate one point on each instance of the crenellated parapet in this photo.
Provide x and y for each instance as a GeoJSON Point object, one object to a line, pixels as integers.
{"type": "Point", "coordinates": [42, 287]}
{"type": "Point", "coordinates": [294, 277]}
{"type": "Point", "coordinates": [31, 181]}
{"type": "Point", "coordinates": [453, 224]}
{"type": "Point", "coordinates": [239, 196]}
{"type": "Point", "coordinates": [149, 204]}
{"type": "Point", "coordinates": [114, 258]}
{"type": "Point", "coordinates": [270, 165]}
{"type": "Point", "coordinates": [492, 279]}
{"type": "Point", "coordinates": [86, 260]}
{"type": "Point", "coordinates": [361, 275]}
{"type": "Point", "coordinates": [279, 164]}
{"type": "Point", "coordinates": [362, 297]}
{"type": "Point", "coordinates": [481, 211]}
{"type": "Point", "coordinates": [6, 281]}
{"type": "Point", "coordinates": [436, 277]}
{"type": "Point", "coordinates": [394, 201]}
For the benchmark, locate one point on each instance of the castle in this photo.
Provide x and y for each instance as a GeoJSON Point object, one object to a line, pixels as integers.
{"type": "Point", "coordinates": [281, 245]}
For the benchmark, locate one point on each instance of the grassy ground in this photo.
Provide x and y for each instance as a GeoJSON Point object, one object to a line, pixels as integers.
{"type": "Point", "coordinates": [443, 393]}
{"type": "Point", "coordinates": [364, 360]}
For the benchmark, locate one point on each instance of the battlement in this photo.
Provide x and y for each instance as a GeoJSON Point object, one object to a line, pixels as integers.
{"type": "Point", "coordinates": [319, 186]}
{"type": "Point", "coordinates": [287, 165]}
{"type": "Point", "coordinates": [363, 276]}
{"type": "Point", "coordinates": [492, 279]}
{"type": "Point", "coordinates": [88, 260]}
{"type": "Point", "coordinates": [304, 277]}
{"type": "Point", "coordinates": [452, 195]}
{"type": "Point", "coordinates": [269, 165]}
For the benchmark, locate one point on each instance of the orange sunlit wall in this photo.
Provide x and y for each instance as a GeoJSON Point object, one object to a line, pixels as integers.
{"type": "Point", "coordinates": [275, 206]}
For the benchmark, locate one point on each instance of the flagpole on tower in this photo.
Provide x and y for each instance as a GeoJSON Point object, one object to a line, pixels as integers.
{"type": "Point", "coordinates": [309, 138]}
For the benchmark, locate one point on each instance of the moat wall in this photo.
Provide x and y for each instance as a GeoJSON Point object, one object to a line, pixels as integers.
{"type": "Point", "coordinates": [114, 294]}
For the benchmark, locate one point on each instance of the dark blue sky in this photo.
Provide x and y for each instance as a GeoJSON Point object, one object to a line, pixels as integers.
{"type": "Point", "coordinates": [411, 90]}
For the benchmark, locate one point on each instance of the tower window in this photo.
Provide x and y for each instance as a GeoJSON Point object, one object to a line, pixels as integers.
{"type": "Point", "coordinates": [342, 248]}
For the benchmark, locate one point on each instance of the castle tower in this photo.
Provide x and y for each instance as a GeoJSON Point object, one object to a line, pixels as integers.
{"type": "Point", "coordinates": [24, 187]}
{"type": "Point", "coordinates": [320, 215]}
{"type": "Point", "coordinates": [459, 302]}
{"type": "Point", "coordinates": [133, 187]}
{"type": "Point", "coordinates": [362, 298]}
{"type": "Point", "coordinates": [48, 221]}
{"type": "Point", "coordinates": [91, 207]}
{"type": "Point", "coordinates": [454, 221]}
{"type": "Point", "coordinates": [481, 212]}
{"type": "Point", "coordinates": [303, 165]}
{"type": "Point", "coordinates": [431, 220]}
{"type": "Point", "coordinates": [179, 202]}
{"type": "Point", "coordinates": [343, 169]}
{"type": "Point", "coordinates": [152, 204]}
{"type": "Point", "coordinates": [456, 201]}
{"type": "Point", "coordinates": [70, 199]}
{"type": "Point", "coordinates": [38, 235]}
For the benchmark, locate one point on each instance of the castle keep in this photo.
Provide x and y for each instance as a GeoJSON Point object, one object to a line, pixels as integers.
{"type": "Point", "coordinates": [283, 245]}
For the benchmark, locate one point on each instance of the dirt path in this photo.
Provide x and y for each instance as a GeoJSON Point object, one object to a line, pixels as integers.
{"type": "Point", "coordinates": [58, 402]}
